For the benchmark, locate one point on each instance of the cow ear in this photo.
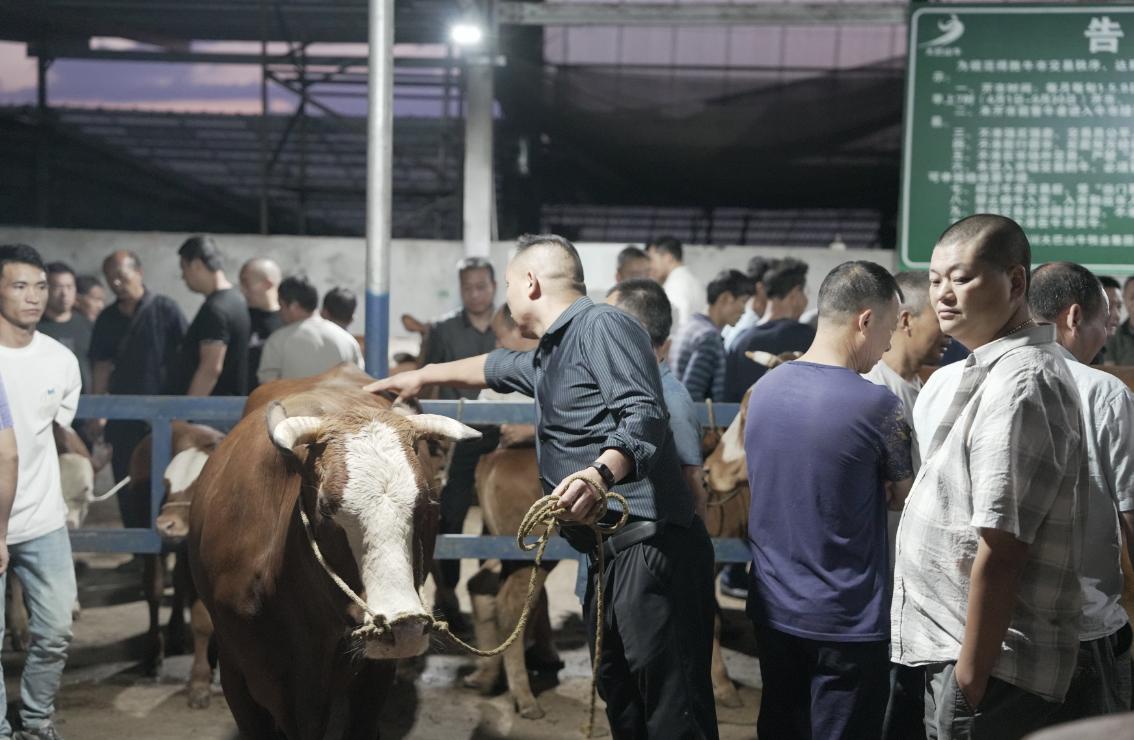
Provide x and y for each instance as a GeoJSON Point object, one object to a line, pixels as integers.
{"type": "Point", "coordinates": [289, 432]}
{"type": "Point", "coordinates": [434, 426]}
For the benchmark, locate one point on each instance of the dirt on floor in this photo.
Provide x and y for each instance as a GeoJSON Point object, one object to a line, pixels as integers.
{"type": "Point", "coordinates": [105, 695]}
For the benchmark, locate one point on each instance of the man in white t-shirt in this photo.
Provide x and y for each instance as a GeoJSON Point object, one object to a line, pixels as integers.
{"type": "Point", "coordinates": [43, 384]}
{"type": "Point", "coordinates": [308, 344]}
{"type": "Point", "coordinates": [1071, 298]}
{"type": "Point", "coordinates": [685, 292]}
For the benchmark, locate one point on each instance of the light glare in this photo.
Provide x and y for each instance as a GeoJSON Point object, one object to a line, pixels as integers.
{"type": "Point", "coordinates": [466, 34]}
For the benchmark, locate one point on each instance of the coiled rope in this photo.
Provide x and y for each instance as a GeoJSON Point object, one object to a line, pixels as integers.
{"type": "Point", "coordinates": [544, 513]}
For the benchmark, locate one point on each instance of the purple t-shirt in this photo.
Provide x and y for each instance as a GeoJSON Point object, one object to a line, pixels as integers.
{"type": "Point", "coordinates": [5, 410]}
{"type": "Point", "coordinates": [821, 441]}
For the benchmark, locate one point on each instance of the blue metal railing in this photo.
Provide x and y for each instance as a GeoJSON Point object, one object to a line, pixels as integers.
{"type": "Point", "coordinates": [160, 411]}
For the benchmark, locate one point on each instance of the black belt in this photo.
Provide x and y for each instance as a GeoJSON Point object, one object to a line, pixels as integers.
{"type": "Point", "coordinates": [630, 535]}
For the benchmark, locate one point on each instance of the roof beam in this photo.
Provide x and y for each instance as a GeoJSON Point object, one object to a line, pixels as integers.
{"type": "Point", "coordinates": [700, 14]}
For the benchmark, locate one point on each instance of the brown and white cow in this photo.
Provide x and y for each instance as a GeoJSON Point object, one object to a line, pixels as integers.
{"type": "Point", "coordinates": [288, 638]}
{"type": "Point", "coordinates": [190, 445]}
{"type": "Point", "coordinates": [507, 484]}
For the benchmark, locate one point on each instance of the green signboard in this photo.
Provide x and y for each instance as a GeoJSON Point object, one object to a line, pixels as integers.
{"type": "Point", "coordinates": [1025, 111]}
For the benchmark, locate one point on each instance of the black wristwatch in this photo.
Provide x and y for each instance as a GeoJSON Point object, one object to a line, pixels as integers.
{"type": "Point", "coordinates": [605, 473]}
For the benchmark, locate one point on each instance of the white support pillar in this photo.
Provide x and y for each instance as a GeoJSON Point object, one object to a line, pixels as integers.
{"type": "Point", "coordinates": [379, 185]}
{"type": "Point", "coordinates": [479, 182]}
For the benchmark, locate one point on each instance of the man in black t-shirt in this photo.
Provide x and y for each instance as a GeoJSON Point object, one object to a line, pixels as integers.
{"type": "Point", "coordinates": [259, 283]}
{"type": "Point", "coordinates": [62, 322]}
{"type": "Point", "coordinates": [214, 352]}
{"type": "Point", "coordinates": [780, 330]}
{"type": "Point", "coordinates": [133, 348]}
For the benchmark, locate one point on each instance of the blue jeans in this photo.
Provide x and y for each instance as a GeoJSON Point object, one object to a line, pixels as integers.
{"type": "Point", "coordinates": [45, 567]}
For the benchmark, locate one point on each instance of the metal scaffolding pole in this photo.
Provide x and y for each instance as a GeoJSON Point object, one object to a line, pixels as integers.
{"type": "Point", "coordinates": [379, 185]}
{"type": "Point", "coordinates": [264, 133]}
{"type": "Point", "coordinates": [479, 183]}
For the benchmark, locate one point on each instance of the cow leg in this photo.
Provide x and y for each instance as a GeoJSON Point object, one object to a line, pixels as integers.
{"type": "Point", "coordinates": [724, 691]}
{"type": "Point", "coordinates": [16, 614]}
{"type": "Point", "coordinates": [509, 606]}
{"type": "Point", "coordinates": [201, 675]}
{"type": "Point", "coordinates": [483, 589]}
{"type": "Point", "coordinates": [542, 653]}
{"type": "Point", "coordinates": [153, 584]}
{"type": "Point", "coordinates": [254, 721]}
{"type": "Point", "coordinates": [175, 629]}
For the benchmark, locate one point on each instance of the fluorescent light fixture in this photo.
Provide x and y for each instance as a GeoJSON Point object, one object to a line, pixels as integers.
{"type": "Point", "coordinates": [466, 34]}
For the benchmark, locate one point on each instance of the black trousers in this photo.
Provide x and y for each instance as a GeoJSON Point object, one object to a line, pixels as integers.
{"type": "Point", "coordinates": [905, 710]}
{"type": "Point", "coordinates": [133, 503]}
{"type": "Point", "coordinates": [460, 491]}
{"type": "Point", "coordinates": [654, 674]}
{"type": "Point", "coordinates": [821, 690]}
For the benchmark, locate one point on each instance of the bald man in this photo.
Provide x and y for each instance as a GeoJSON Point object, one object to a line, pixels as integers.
{"type": "Point", "coordinates": [601, 417]}
{"type": "Point", "coordinates": [133, 346]}
{"type": "Point", "coordinates": [260, 283]}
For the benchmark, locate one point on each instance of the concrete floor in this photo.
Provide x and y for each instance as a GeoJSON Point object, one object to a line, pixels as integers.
{"type": "Point", "coordinates": [105, 696]}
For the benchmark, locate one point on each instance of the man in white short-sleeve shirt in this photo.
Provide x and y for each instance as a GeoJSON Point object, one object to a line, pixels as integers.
{"type": "Point", "coordinates": [43, 383]}
{"type": "Point", "coordinates": [308, 344]}
{"type": "Point", "coordinates": [1069, 297]}
{"type": "Point", "coordinates": [685, 292]}
{"type": "Point", "coordinates": [986, 589]}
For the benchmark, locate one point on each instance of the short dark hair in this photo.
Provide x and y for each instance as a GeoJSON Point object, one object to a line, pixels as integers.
{"type": "Point", "coordinates": [59, 268]}
{"type": "Point", "coordinates": [1109, 282]}
{"type": "Point", "coordinates": [757, 266]}
{"type": "Point", "coordinates": [1129, 279]}
{"type": "Point", "coordinates": [86, 283]}
{"type": "Point", "coordinates": [204, 248]}
{"type": "Point", "coordinates": [914, 285]}
{"type": "Point", "coordinates": [527, 241]}
{"type": "Point", "coordinates": [784, 276]}
{"type": "Point", "coordinates": [729, 281]}
{"type": "Point", "coordinates": [475, 263]}
{"type": "Point", "coordinates": [669, 245]}
{"type": "Point", "coordinates": [20, 254]}
{"type": "Point", "coordinates": [645, 300]}
{"type": "Point", "coordinates": [1058, 285]}
{"type": "Point", "coordinates": [630, 252]}
{"type": "Point", "coordinates": [854, 286]}
{"type": "Point", "coordinates": [340, 304]}
{"type": "Point", "coordinates": [298, 289]}
{"type": "Point", "coordinates": [1000, 241]}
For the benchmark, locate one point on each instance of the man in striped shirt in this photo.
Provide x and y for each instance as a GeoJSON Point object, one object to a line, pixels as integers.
{"type": "Point", "coordinates": [697, 355]}
{"type": "Point", "coordinates": [600, 416]}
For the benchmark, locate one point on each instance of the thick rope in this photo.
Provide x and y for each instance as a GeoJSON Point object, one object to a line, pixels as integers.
{"type": "Point", "coordinates": [723, 498]}
{"type": "Point", "coordinates": [545, 513]}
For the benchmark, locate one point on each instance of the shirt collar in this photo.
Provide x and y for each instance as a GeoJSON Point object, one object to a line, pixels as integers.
{"type": "Point", "coordinates": [565, 318]}
{"type": "Point", "coordinates": [469, 325]}
{"type": "Point", "coordinates": [993, 351]}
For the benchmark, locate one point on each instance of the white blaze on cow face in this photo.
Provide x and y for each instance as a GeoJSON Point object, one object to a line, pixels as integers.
{"type": "Point", "coordinates": [381, 493]}
{"type": "Point", "coordinates": [184, 468]}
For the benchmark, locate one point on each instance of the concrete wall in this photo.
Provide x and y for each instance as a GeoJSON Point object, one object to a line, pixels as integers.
{"type": "Point", "coordinates": [424, 281]}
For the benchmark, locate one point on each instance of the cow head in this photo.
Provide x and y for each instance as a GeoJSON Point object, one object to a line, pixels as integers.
{"type": "Point", "coordinates": [366, 470]}
{"type": "Point", "coordinates": [173, 519]}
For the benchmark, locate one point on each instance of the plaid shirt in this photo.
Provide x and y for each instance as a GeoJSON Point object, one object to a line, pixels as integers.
{"type": "Point", "coordinates": [1002, 448]}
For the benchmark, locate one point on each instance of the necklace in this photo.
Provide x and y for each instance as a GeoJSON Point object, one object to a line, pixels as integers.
{"type": "Point", "coordinates": [1018, 327]}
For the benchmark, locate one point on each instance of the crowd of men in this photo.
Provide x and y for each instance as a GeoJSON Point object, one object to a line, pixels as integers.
{"type": "Point", "coordinates": [59, 338]}
{"type": "Point", "coordinates": [937, 560]}
{"type": "Point", "coordinates": [987, 604]}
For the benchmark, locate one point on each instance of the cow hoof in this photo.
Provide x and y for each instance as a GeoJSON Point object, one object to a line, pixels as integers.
{"type": "Point", "coordinates": [199, 698]}
{"type": "Point", "coordinates": [486, 683]}
{"type": "Point", "coordinates": [728, 697]}
{"type": "Point", "coordinates": [531, 711]}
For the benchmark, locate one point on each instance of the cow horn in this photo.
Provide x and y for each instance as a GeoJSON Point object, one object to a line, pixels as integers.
{"type": "Point", "coordinates": [289, 431]}
{"type": "Point", "coordinates": [434, 426]}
